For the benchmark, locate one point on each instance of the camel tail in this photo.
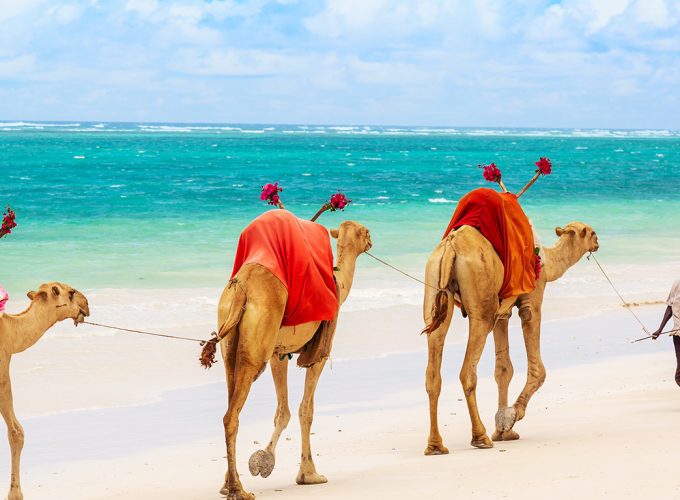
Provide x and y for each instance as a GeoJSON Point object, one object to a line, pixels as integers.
{"type": "Point", "coordinates": [238, 306]}
{"type": "Point", "coordinates": [441, 266]}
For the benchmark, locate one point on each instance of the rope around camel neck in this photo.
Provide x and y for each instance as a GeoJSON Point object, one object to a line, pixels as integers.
{"type": "Point", "coordinates": [200, 341]}
{"type": "Point", "coordinates": [405, 273]}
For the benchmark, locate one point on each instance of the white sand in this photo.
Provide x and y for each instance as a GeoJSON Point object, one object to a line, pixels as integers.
{"type": "Point", "coordinates": [607, 429]}
{"type": "Point", "coordinates": [599, 429]}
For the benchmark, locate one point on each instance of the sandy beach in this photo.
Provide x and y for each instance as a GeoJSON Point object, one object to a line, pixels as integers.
{"type": "Point", "coordinates": [125, 416]}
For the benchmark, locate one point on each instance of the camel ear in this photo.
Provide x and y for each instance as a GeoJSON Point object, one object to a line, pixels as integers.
{"type": "Point", "coordinates": [334, 233]}
{"type": "Point", "coordinates": [559, 231]}
{"type": "Point", "coordinates": [55, 290]}
{"type": "Point", "coordinates": [39, 295]}
{"type": "Point", "coordinates": [583, 232]}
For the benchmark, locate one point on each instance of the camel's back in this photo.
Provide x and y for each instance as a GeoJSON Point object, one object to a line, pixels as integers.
{"type": "Point", "coordinates": [299, 254]}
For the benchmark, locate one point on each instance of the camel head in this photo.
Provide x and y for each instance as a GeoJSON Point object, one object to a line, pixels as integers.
{"type": "Point", "coordinates": [352, 236]}
{"type": "Point", "coordinates": [66, 300]}
{"type": "Point", "coordinates": [581, 235]}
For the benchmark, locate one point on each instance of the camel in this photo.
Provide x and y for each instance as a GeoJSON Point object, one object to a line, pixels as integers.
{"type": "Point", "coordinates": [53, 302]}
{"type": "Point", "coordinates": [250, 312]}
{"type": "Point", "coordinates": [466, 264]}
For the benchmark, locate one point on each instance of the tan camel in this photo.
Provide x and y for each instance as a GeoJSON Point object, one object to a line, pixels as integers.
{"type": "Point", "coordinates": [466, 264]}
{"type": "Point", "coordinates": [250, 312]}
{"type": "Point", "coordinates": [52, 302]}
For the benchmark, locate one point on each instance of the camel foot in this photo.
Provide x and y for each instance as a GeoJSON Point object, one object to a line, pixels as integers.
{"type": "Point", "coordinates": [482, 442]}
{"type": "Point", "coordinates": [505, 419]}
{"type": "Point", "coordinates": [505, 436]}
{"type": "Point", "coordinates": [261, 463]}
{"type": "Point", "coordinates": [236, 495]}
{"type": "Point", "coordinates": [436, 449]}
{"type": "Point", "coordinates": [310, 478]}
{"type": "Point", "coordinates": [15, 495]}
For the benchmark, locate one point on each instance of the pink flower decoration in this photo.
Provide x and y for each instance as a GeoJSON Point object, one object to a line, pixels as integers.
{"type": "Point", "coordinates": [544, 166]}
{"type": "Point", "coordinates": [338, 202]}
{"type": "Point", "coordinates": [270, 193]}
{"type": "Point", "coordinates": [8, 222]}
{"type": "Point", "coordinates": [3, 299]}
{"type": "Point", "coordinates": [491, 172]}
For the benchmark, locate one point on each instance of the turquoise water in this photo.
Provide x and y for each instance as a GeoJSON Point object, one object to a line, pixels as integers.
{"type": "Point", "coordinates": [130, 205]}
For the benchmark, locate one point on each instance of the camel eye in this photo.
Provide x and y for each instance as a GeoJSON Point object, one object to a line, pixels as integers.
{"type": "Point", "coordinates": [71, 294]}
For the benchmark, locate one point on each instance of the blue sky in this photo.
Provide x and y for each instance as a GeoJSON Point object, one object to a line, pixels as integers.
{"type": "Point", "coordinates": [574, 63]}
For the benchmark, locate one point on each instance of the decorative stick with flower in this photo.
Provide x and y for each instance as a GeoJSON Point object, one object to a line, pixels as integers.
{"type": "Point", "coordinates": [493, 174]}
{"type": "Point", "coordinates": [338, 201]}
{"type": "Point", "coordinates": [8, 222]}
{"type": "Point", "coordinates": [544, 168]}
{"type": "Point", "coordinates": [270, 194]}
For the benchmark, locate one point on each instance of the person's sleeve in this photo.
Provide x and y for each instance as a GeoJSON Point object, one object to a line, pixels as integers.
{"type": "Point", "coordinates": [674, 295]}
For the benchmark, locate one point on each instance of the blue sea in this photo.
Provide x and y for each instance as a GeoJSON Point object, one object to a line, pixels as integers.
{"type": "Point", "coordinates": [122, 205]}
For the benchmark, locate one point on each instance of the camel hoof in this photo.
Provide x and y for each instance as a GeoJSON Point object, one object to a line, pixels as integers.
{"type": "Point", "coordinates": [505, 436]}
{"type": "Point", "coordinates": [239, 495]}
{"type": "Point", "coordinates": [505, 419]}
{"type": "Point", "coordinates": [312, 478]}
{"type": "Point", "coordinates": [436, 449]}
{"type": "Point", "coordinates": [261, 463]}
{"type": "Point", "coordinates": [482, 442]}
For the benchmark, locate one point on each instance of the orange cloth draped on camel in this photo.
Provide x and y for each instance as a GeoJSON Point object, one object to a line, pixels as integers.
{"type": "Point", "coordinates": [299, 254]}
{"type": "Point", "coordinates": [499, 217]}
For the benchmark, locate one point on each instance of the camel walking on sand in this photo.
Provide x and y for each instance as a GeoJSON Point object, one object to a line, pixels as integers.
{"type": "Point", "coordinates": [466, 264]}
{"type": "Point", "coordinates": [250, 314]}
{"type": "Point", "coordinates": [53, 302]}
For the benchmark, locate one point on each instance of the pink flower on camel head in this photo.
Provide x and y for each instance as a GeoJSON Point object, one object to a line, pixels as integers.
{"type": "Point", "coordinates": [338, 202]}
{"type": "Point", "coordinates": [270, 193]}
{"type": "Point", "coordinates": [8, 222]}
{"type": "Point", "coordinates": [491, 172]}
{"type": "Point", "coordinates": [544, 166]}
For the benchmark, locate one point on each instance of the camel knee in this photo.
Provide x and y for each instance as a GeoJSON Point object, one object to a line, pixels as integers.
{"type": "Point", "coordinates": [503, 372]}
{"type": "Point", "coordinates": [16, 437]}
{"type": "Point", "coordinates": [537, 373]}
{"type": "Point", "coordinates": [433, 382]}
{"type": "Point", "coordinates": [469, 382]}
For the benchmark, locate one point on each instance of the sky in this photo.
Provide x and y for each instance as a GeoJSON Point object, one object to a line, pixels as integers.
{"type": "Point", "coordinates": [492, 63]}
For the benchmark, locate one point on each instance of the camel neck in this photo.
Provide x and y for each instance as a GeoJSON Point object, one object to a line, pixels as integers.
{"type": "Point", "coordinates": [561, 257]}
{"type": "Point", "coordinates": [26, 328]}
{"type": "Point", "coordinates": [344, 275]}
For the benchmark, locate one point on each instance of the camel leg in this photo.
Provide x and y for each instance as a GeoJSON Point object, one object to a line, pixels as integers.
{"type": "Point", "coordinates": [256, 338]}
{"type": "Point", "coordinates": [262, 461]}
{"type": "Point", "coordinates": [479, 330]}
{"type": "Point", "coordinates": [503, 374]}
{"type": "Point", "coordinates": [531, 328]}
{"type": "Point", "coordinates": [308, 474]}
{"type": "Point", "coordinates": [433, 383]}
{"type": "Point", "coordinates": [15, 433]}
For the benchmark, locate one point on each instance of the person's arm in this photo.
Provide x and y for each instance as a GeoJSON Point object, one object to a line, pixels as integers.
{"type": "Point", "coordinates": [667, 315]}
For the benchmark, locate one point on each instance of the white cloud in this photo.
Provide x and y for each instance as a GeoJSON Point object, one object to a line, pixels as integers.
{"type": "Point", "coordinates": [16, 67]}
{"type": "Point", "coordinates": [143, 7]}
{"type": "Point", "coordinates": [64, 13]}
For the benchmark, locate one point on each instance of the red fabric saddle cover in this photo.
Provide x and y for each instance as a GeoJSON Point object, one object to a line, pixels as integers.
{"type": "Point", "coordinates": [500, 218]}
{"type": "Point", "coordinates": [298, 252]}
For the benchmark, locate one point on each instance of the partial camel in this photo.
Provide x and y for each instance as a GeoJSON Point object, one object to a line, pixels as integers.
{"type": "Point", "coordinates": [53, 302]}
{"type": "Point", "coordinates": [466, 265]}
{"type": "Point", "coordinates": [250, 314]}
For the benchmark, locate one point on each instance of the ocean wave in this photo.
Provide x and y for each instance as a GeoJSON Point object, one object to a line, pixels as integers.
{"type": "Point", "coordinates": [37, 125]}
{"type": "Point", "coordinates": [341, 130]}
{"type": "Point", "coordinates": [441, 200]}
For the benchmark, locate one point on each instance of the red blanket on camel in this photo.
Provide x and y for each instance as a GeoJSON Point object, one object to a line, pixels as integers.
{"type": "Point", "coordinates": [298, 252]}
{"type": "Point", "coordinates": [499, 217]}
